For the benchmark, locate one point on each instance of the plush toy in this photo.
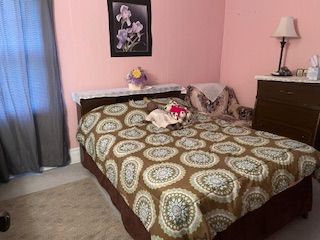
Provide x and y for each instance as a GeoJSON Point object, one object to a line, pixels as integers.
{"type": "Point", "coordinates": [178, 112]}
{"type": "Point", "coordinates": [152, 106]}
{"type": "Point", "coordinates": [154, 112]}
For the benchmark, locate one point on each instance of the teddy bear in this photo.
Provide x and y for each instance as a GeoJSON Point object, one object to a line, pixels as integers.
{"type": "Point", "coordinates": [160, 112]}
{"type": "Point", "coordinates": [179, 112]}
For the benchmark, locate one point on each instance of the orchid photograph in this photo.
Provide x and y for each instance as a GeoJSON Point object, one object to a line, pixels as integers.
{"type": "Point", "coordinates": [130, 28]}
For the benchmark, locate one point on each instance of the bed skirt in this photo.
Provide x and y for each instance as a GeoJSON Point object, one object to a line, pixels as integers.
{"type": "Point", "coordinates": [256, 225]}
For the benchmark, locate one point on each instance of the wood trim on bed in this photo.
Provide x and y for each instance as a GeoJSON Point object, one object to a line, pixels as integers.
{"type": "Point", "coordinates": [88, 104]}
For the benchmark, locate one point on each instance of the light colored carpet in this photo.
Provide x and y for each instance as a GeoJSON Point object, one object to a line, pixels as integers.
{"type": "Point", "coordinates": [74, 210]}
{"type": "Point", "coordinates": [29, 183]}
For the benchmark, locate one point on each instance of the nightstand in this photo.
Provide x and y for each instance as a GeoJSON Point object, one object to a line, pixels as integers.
{"type": "Point", "coordinates": [288, 106]}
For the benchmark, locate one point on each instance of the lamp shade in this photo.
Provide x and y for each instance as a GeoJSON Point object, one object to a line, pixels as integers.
{"type": "Point", "coordinates": [286, 28]}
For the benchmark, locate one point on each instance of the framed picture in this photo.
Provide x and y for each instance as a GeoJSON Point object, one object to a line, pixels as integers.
{"type": "Point", "coordinates": [130, 28]}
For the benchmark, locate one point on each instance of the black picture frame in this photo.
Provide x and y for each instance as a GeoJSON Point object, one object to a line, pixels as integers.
{"type": "Point", "coordinates": [138, 41]}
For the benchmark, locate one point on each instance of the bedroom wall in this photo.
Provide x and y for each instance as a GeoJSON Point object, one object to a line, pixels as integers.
{"type": "Point", "coordinates": [187, 44]}
{"type": "Point", "coordinates": [248, 49]}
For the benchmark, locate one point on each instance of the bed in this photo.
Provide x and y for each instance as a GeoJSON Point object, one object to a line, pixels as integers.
{"type": "Point", "coordinates": [208, 181]}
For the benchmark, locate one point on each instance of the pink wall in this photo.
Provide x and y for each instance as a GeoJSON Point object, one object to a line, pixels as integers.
{"type": "Point", "coordinates": [248, 49]}
{"type": "Point", "coordinates": [187, 45]}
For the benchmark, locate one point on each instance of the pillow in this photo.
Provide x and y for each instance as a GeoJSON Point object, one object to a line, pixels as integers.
{"type": "Point", "coordinates": [201, 103]}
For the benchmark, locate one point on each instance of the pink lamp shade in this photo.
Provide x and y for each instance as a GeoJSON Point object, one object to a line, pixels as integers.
{"type": "Point", "coordinates": [286, 28]}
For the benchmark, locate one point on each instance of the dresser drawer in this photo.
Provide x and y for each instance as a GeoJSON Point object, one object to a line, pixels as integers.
{"type": "Point", "coordinates": [303, 94]}
{"type": "Point", "coordinates": [288, 114]}
{"type": "Point", "coordinates": [282, 129]}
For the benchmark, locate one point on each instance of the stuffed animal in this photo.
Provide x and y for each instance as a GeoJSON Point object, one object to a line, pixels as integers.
{"type": "Point", "coordinates": [154, 112]}
{"type": "Point", "coordinates": [152, 106]}
{"type": "Point", "coordinates": [178, 112]}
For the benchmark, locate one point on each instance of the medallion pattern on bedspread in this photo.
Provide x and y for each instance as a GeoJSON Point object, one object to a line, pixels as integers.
{"type": "Point", "coordinates": [112, 172]}
{"type": "Point", "coordinates": [249, 167]}
{"type": "Point", "coordinates": [199, 159]}
{"type": "Point", "coordinates": [220, 185]}
{"type": "Point", "coordinates": [135, 117]}
{"type": "Point", "coordinates": [132, 133]}
{"type": "Point", "coordinates": [190, 143]}
{"type": "Point", "coordinates": [145, 209]}
{"type": "Point", "coordinates": [104, 145]}
{"type": "Point", "coordinates": [179, 213]}
{"type": "Point", "coordinates": [108, 125]}
{"type": "Point", "coordinates": [130, 173]}
{"type": "Point", "coordinates": [185, 132]}
{"type": "Point", "coordinates": [163, 174]}
{"type": "Point", "coordinates": [159, 154]}
{"type": "Point", "coordinates": [159, 139]}
{"type": "Point", "coordinates": [253, 198]}
{"type": "Point", "coordinates": [213, 136]}
{"type": "Point", "coordinates": [127, 147]}
{"type": "Point", "coordinates": [194, 182]}
{"type": "Point", "coordinates": [219, 220]}
{"type": "Point", "coordinates": [115, 109]}
{"type": "Point", "coordinates": [228, 148]}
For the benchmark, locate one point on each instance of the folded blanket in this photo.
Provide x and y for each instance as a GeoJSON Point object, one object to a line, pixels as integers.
{"type": "Point", "coordinates": [210, 90]}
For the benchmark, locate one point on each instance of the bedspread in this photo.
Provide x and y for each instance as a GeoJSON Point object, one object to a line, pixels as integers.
{"type": "Point", "coordinates": [194, 182]}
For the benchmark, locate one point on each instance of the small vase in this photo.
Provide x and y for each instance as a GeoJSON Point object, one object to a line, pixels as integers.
{"type": "Point", "coordinates": [135, 87]}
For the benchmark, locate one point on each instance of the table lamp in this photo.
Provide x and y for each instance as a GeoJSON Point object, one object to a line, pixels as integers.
{"type": "Point", "coordinates": [286, 29]}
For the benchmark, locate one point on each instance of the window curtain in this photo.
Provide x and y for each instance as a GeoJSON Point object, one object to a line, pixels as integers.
{"type": "Point", "coordinates": [33, 130]}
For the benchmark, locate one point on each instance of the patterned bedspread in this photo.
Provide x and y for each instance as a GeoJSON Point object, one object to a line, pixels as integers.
{"type": "Point", "coordinates": [194, 182]}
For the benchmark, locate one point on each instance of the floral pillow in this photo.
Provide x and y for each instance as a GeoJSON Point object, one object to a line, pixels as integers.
{"type": "Point", "coordinates": [201, 103]}
{"type": "Point", "coordinates": [224, 106]}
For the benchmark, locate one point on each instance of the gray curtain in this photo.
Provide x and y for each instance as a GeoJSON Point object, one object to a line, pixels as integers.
{"type": "Point", "coordinates": [4, 173]}
{"type": "Point", "coordinates": [32, 119]}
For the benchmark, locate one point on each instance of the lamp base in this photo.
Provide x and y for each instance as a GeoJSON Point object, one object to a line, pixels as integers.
{"type": "Point", "coordinates": [284, 72]}
{"type": "Point", "coordinates": [281, 74]}
{"type": "Point", "coordinates": [275, 74]}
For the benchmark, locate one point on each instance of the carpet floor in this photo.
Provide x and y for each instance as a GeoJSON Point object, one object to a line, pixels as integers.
{"type": "Point", "coordinates": [74, 210]}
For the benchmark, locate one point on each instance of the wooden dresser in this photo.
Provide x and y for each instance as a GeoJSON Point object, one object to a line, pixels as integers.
{"type": "Point", "coordinates": [289, 106]}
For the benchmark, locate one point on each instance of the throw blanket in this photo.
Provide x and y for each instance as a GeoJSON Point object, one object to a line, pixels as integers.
{"type": "Point", "coordinates": [225, 105]}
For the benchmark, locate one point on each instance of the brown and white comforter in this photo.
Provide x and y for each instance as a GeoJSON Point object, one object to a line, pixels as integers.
{"type": "Point", "coordinates": [194, 182]}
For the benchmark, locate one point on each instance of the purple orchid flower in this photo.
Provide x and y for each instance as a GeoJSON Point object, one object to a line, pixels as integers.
{"type": "Point", "coordinates": [136, 27]}
{"type": "Point", "coordinates": [124, 14]}
{"type": "Point", "coordinates": [122, 37]}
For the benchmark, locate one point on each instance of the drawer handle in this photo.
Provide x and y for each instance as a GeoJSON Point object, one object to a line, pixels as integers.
{"type": "Point", "coordinates": [286, 92]}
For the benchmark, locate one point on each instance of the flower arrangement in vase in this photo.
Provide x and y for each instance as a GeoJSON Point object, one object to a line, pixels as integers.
{"type": "Point", "coordinates": [136, 79]}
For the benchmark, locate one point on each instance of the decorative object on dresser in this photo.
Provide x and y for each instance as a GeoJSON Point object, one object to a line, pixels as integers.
{"type": "Point", "coordinates": [289, 106]}
{"type": "Point", "coordinates": [286, 29]}
{"type": "Point", "coordinates": [136, 79]}
{"type": "Point", "coordinates": [314, 71]}
{"type": "Point", "coordinates": [300, 72]}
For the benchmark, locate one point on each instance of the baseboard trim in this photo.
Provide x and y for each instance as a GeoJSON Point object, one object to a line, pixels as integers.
{"type": "Point", "coordinates": [75, 155]}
